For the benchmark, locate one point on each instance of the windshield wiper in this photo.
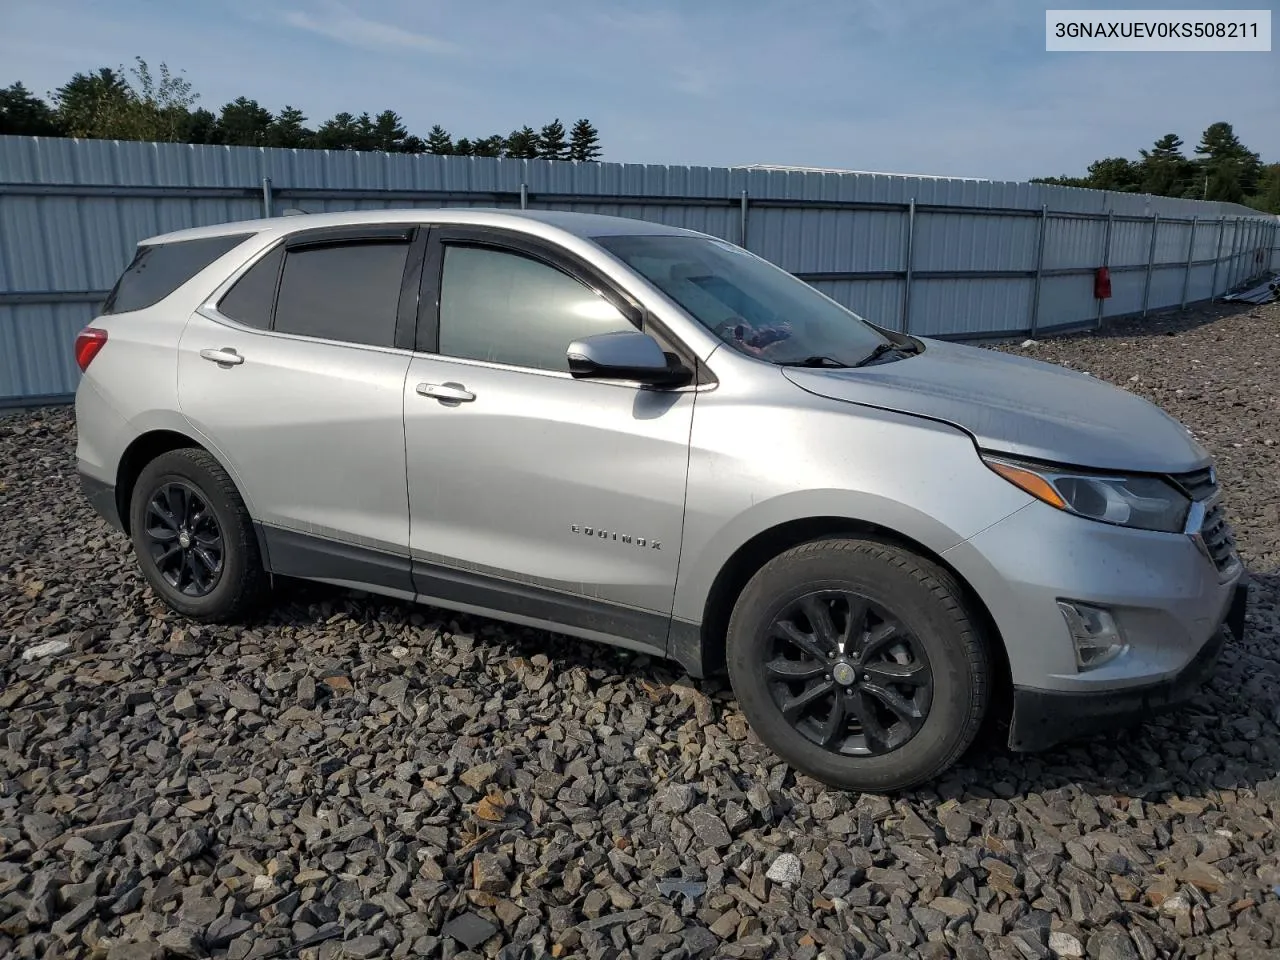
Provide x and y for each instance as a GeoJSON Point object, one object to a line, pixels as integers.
{"type": "Point", "coordinates": [818, 361]}
{"type": "Point", "coordinates": [879, 352]}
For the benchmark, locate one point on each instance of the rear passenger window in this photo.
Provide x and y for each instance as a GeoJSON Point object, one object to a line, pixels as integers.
{"type": "Point", "coordinates": [342, 291]}
{"type": "Point", "coordinates": [249, 299]}
{"type": "Point", "coordinates": [158, 269]}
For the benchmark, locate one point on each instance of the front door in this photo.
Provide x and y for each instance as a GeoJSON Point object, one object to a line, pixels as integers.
{"type": "Point", "coordinates": [294, 379]}
{"type": "Point", "coordinates": [532, 493]}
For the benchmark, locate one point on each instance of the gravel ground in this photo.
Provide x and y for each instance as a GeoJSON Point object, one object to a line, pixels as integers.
{"type": "Point", "coordinates": [349, 776]}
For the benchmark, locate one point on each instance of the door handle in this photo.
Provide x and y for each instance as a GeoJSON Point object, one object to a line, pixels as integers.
{"type": "Point", "coordinates": [454, 392]}
{"type": "Point", "coordinates": [225, 355]}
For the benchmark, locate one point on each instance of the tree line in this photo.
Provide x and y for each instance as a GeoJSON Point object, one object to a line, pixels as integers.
{"type": "Point", "coordinates": [110, 104]}
{"type": "Point", "coordinates": [1223, 168]}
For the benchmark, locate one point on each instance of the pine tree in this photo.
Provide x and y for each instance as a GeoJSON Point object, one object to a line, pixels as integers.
{"type": "Point", "coordinates": [364, 136]}
{"type": "Point", "coordinates": [584, 141]}
{"type": "Point", "coordinates": [22, 113]}
{"type": "Point", "coordinates": [202, 127]}
{"type": "Point", "coordinates": [462, 148]}
{"type": "Point", "coordinates": [1164, 171]}
{"type": "Point", "coordinates": [488, 147]}
{"type": "Point", "coordinates": [522, 143]}
{"type": "Point", "coordinates": [339, 133]}
{"type": "Point", "coordinates": [1062, 181]}
{"type": "Point", "coordinates": [1168, 147]}
{"type": "Point", "coordinates": [289, 129]}
{"type": "Point", "coordinates": [551, 143]}
{"type": "Point", "coordinates": [92, 104]}
{"type": "Point", "coordinates": [388, 132]}
{"type": "Point", "coordinates": [1114, 173]}
{"type": "Point", "coordinates": [244, 123]}
{"type": "Point", "coordinates": [439, 141]}
{"type": "Point", "coordinates": [1228, 169]}
{"type": "Point", "coordinates": [1268, 196]}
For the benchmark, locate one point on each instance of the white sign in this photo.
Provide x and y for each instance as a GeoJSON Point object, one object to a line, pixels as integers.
{"type": "Point", "coordinates": [1158, 31]}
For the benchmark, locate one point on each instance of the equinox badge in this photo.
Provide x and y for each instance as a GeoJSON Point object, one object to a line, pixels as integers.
{"type": "Point", "coordinates": [617, 537]}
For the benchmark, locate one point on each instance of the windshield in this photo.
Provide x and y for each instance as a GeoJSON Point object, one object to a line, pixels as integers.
{"type": "Point", "coordinates": [746, 301]}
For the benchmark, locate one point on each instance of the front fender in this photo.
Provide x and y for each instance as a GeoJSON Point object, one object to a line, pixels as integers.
{"type": "Point", "coordinates": [801, 458]}
{"type": "Point", "coordinates": [699, 569]}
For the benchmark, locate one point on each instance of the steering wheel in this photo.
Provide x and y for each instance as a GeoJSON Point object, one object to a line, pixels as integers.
{"type": "Point", "coordinates": [752, 339]}
{"type": "Point", "coordinates": [735, 328]}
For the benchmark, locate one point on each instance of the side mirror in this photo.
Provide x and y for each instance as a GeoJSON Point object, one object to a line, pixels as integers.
{"type": "Point", "coordinates": [624, 355]}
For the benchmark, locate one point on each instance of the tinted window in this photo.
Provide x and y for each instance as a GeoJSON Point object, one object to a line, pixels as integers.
{"type": "Point", "coordinates": [159, 269]}
{"type": "Point", "coordinates": [506, 308]}
{"type": "Point", "coordinates": [748, 302]}
{"type": "Point", "coordinates": [249, 300]}
{"type": "Point", "coordinates": [345, 291]}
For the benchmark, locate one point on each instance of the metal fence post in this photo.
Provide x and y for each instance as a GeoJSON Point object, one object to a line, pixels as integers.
{"type": "Point", "coordinates": [910, 256]}
{"type": "Point", "coordinates": [1217, 258]}
{"type": "Point", "coordinates": [1231, 258]}
{"type": "Point", "coordinates": [1106, 258]}
{"type": "Point", "coordinates": [1243, 276]}
{"type": "Point", "coordinates": [267, 206]}
{"type": "Point", "coordinates": [1191, 249]}
{"type": "Point", "coordinates": [1255, 243]}
{"type": "Point", "coordinates": [742, 222]}
{"type": "Point", "coordinates": [524, 196]}
{"type": "Point", "coordinates": [1247, 259]}
{"type": "Point", "coordinates": [1242, 260]}
{"type": "Point", "coordinates": [1035, 290]}
{"type": "Point", "coordinates": [1245, 268]}
{"type": "Point", "coordinates": [1151, 262]}
{"type": "Point", "coordinates": [1255, 248]}
{"type": "Point", "coordinates": [1235, 253]}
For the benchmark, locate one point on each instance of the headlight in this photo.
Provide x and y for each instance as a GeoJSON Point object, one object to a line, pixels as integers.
{"type": "Point", "coordinates": [1146, 503]}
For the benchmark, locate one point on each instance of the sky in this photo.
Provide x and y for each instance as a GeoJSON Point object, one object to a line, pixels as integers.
{"type": "Point", "coordinates": [939, 87]}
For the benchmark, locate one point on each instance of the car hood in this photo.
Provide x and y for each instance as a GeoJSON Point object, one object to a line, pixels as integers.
{"type": "Point", "coordinates": [1018, 406]}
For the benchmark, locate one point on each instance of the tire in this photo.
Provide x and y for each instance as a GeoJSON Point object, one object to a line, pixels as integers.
{"type": "Point", "coordinates": [205, 592]}
{"type": "Point", "coordinates": [935, 662]}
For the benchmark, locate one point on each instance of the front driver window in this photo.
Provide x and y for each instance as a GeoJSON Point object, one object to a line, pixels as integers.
{"type": "Point", "coordinates": [507, 308]}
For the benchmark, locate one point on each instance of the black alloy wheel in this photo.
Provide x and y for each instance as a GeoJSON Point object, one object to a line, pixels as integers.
{"type": "Point", "coordinates": [194, 539]}
{"type": "Point", "coordinates": [184, 539]}
{"type": "Point", "coordinates": [847, 674]}
{"type": "Point", "coordinates": [858, 663]}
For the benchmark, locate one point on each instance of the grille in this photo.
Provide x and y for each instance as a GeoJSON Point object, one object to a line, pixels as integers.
{"type": "Point", "coordinates": [1219, 540]}
{"type": "Point", "coordinates": [1198, 485]}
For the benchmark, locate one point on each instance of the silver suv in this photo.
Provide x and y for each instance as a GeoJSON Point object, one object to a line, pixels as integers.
{"type": "Point", "coordinates": [650, 437]}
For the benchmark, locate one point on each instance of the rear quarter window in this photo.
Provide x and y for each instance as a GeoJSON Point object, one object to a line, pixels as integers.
{"type": "Point", "coordinates": [159, 269]}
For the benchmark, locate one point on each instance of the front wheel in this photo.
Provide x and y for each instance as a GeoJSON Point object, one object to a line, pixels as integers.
{"type": "Point", "coordinates": [857, 663]}
{"type": "Point", "coordinates": [193, 537]}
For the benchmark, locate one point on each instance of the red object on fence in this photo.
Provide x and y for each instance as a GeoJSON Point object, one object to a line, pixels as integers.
{"type": "Point", "coordinates": [1101, 283]}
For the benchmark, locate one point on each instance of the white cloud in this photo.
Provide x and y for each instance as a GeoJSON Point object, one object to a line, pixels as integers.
{"type": "Point", "coordinates": [336, 22]}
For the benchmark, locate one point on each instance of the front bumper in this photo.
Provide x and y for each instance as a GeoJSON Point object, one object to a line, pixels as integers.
{"type": "Point", "coordinates": [1044, 718]}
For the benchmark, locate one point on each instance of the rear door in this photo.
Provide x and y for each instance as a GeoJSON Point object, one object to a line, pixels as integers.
{"type": "Point", "coordinates": [294, 374]}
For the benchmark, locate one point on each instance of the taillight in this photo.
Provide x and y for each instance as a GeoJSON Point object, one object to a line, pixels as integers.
{"type": "Point", "coordinates": [88, 342]}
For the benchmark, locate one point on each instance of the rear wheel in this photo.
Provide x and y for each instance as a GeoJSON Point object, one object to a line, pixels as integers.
{"type": "Point", "coordinates": [193, 537]}
{"type": "Point", "coordinates": [856, 662]}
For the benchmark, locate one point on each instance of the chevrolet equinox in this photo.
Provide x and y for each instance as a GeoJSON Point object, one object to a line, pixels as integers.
{"type": "Point", "coordinates": [650, 437]}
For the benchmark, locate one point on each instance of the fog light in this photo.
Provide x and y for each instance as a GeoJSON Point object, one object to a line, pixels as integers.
{"type": "Point", "coordinates": [1094, 632]}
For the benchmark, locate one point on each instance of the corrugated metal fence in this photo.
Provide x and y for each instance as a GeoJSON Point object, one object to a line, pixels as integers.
{"type": "Point", "coordinates": [937, 257]}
